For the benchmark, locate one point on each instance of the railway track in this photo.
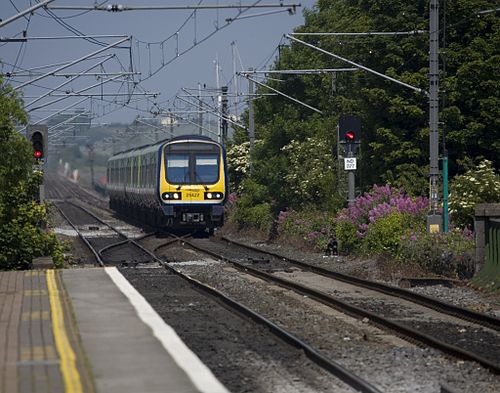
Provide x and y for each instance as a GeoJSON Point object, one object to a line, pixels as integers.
{"type": "Point", "coordinates": [477, 340]}
{"type": "Point", "coordinates": [60, 189]}
{"type": "Point", "coordinates": [116, 247]}
{"type": "Point", "coordinates": [110, 245]}
{"type": "Point", "coordinates": [432, 303]}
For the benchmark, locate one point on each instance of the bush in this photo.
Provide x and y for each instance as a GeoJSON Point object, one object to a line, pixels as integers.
{"type": "Point", "coordinates": [312, 227]}
{"type": "Point", "coordinates": [384, 234]}
{"type": "Point", "coordinates": [310, 177]}
{"type": "Point", "coordinates": [478, 185]}
{"type": "Point", "coordinates": [252, 209]}
{"type": "Point", "coordinates": [347, 236]}
{"type": "Point", "coordinates": [259, 217]}
{"type": "Point", "coordinates": [450, 254]}
{"type": "Point", "coordinates": [238, 164]}
{"type": "Point", "coordinates": [354, 223]}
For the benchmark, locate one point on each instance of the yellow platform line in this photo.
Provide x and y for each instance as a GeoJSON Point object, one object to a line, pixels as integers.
{"type": "Point", "coordinates": [71, 376]}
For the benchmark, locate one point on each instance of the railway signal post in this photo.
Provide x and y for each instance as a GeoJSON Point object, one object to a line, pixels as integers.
{"type": "Point", "coordinates": [349, 129]}
{"type": "Point", "coordinates": [38, 136]}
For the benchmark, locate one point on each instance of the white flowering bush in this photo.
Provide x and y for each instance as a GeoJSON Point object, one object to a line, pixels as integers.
{"type": "Point", "coordinates": [238, 164]}
{"type": "Point", "coordinates": [478, 185]}
{"type": "Point", "coordinates": [310, 175]}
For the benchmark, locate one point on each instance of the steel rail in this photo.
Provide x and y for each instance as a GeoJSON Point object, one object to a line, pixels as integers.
{"type": "Point", "coordinates": [402, 330]}
{"type": "Point", "coordinates": [80, 235]}
{"type": "Point", "coordinates": [120, 243]}
{"type": "Point", "coordinates": [427, 301]}
{"type": "Point", "coordinates": [174, 239]}
{"type": "Point", "coordinates": [321, 360]}
{"type": "Point", "coordinates": [329, 365]}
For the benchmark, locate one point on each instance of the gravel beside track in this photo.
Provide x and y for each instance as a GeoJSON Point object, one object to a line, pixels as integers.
{"type": "Point", "coordinates": [388, 362]}
{"type": "Point", "coordinates": [370, 269]}
{"type": "Point", "coordinates": [471, 337]}
{"type": "Point", "coordinates": [247, 358]}
{"type": "Point", "coordinates": [244, 356]}
{"type": "Point", "coordinates": [58, 187]}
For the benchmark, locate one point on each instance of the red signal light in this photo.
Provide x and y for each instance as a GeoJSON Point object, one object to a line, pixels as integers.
{"type": "Point", "coordinates": [37, 154]}
{"type": "Point", "coordinates": [350, 136]}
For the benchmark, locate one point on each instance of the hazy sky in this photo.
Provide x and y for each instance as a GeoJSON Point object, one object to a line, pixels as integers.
{"type": "Point", "coordinates": [256, 40]}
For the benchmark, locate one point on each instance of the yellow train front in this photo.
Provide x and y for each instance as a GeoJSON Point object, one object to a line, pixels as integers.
{"type": "Point", "coordinates": [176, 184]}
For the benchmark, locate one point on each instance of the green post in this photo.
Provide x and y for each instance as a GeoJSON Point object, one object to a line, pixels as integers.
{"type": "Point", "coordinates": [445, 194]}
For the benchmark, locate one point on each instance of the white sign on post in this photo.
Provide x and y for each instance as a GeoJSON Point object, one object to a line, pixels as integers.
{"type": "Point", "coordinates": [350, 164]}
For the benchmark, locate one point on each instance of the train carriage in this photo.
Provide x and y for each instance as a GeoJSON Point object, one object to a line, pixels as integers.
{"type": "Point", "coordinates": [179, 183]}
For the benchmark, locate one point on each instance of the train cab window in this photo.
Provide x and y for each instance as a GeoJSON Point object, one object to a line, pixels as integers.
{"type": "Point", "coordinates": [192, 163]}
{"type": "Point", "coordinates": [206, 168]}
{"type": "Point", "coordinates": [178, 168]}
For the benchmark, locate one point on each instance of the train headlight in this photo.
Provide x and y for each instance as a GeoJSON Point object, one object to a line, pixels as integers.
{"type": "Point", "coordinates": [214, 195]}
{"type": "Point", "coordinates": [168, 196]}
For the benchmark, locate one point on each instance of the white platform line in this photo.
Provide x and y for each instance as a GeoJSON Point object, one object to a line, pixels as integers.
{"type": "Point", "coordinates": [198, 373]}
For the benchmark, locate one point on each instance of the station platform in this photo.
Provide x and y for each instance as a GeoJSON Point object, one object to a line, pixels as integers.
{"type": "Point", "coordinates": [89, 330]}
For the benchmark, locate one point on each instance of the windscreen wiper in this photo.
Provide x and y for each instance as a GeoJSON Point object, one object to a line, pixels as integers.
{"type": "Point", "coordinates": [201, 180]}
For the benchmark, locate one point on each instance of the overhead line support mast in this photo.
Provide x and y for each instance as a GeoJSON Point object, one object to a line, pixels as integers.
{"type": "Point", "coordinates": [434, 219]}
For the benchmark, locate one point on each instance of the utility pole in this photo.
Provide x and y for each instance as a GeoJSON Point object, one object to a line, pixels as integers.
{"type": "Point", "coordinates": [251, 119]}
{"type": "Point", "coordinates": [217, 80]}
{"type": "Point", "coordinates": [200, 111]}
{"type": "Point", "coordinates": [434, 219]}
{"type": "Point", "coordinates": [235, 84]}
{"type": "Point", "coordinates": [224, 112]}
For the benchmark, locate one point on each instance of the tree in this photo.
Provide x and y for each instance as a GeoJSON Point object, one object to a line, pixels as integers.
{"type": "Point", "coordinates": [395, 141]}
{"type": "Point", "coordinates": [21, 236]}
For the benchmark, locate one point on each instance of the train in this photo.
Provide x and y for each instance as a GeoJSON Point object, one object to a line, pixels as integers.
{"type": "Point", "coordinates": [180, 183]}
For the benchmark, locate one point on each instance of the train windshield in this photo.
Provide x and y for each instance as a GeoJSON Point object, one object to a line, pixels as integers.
{"type": "Point", "coordinates": [192, 163]}
{"type": "Point", "coordinates": [178, 168]}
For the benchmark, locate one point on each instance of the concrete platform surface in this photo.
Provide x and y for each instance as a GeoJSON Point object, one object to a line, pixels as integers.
{"type": "Point", "coordinates": [89, 330]}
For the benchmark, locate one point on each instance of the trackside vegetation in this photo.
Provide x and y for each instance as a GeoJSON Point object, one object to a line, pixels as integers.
{"type": "Point", "coordinates": [21, 217]}
{"type": "Point", "coordinates": [295, 186]}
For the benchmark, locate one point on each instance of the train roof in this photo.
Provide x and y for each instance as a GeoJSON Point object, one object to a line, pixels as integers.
{"type": "Point", "coordinates": [154, 146]}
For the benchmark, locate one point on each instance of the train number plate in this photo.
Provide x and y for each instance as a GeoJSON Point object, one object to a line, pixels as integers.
{"type": "Point", "coordinates": [192, 194]}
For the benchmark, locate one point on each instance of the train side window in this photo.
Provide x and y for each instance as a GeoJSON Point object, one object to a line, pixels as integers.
{"type": "Point", "coordinates": [139, 171]}
{"type": "Point", "coordinates": [132, 164]}
{"type": "Point", "coordinates": [136, 171]}
{"type": "Point", "coordinates": [148, 165]}
{"type": "Point", "coordinates": [151, 171]}
{"type": "Point", "coordinates": [143, 172]}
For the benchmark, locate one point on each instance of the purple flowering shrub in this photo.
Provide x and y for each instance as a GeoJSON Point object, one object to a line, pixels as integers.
{"type": "Point", "coordinates": [310, 227]}
{"type": "Point", "coordinates": [387, 221]}
{"type": "Point", "coordinates": [372, 223]}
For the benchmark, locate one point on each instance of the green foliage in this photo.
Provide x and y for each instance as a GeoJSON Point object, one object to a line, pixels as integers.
{"type": "Point", "coordinates": [252, 209]}
{"type": "Point", "coordinates": [478, 185]}
{"type": "Point", "coordinates": [21, 236]}
{"type": "Point", "coordinates": [311, 227]}
{"type": "Point", "coordinates": [384, 234]}
{"type": "Point", "coordinates": [310, 175]}
{"type": "Point", "coordinates": [238, 164]}
{"type": "Point", "coordinates": [395, 135]}
{"type": "Point", "coordinates": [450, 254]}
{"type": "Point", "coordinates": [347, 236]}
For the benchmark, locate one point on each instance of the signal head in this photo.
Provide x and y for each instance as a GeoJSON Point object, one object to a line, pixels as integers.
{"type": "Point", "coordinates": [37, 143]}
{"type": "Point", "coordinates": [350, 136]}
